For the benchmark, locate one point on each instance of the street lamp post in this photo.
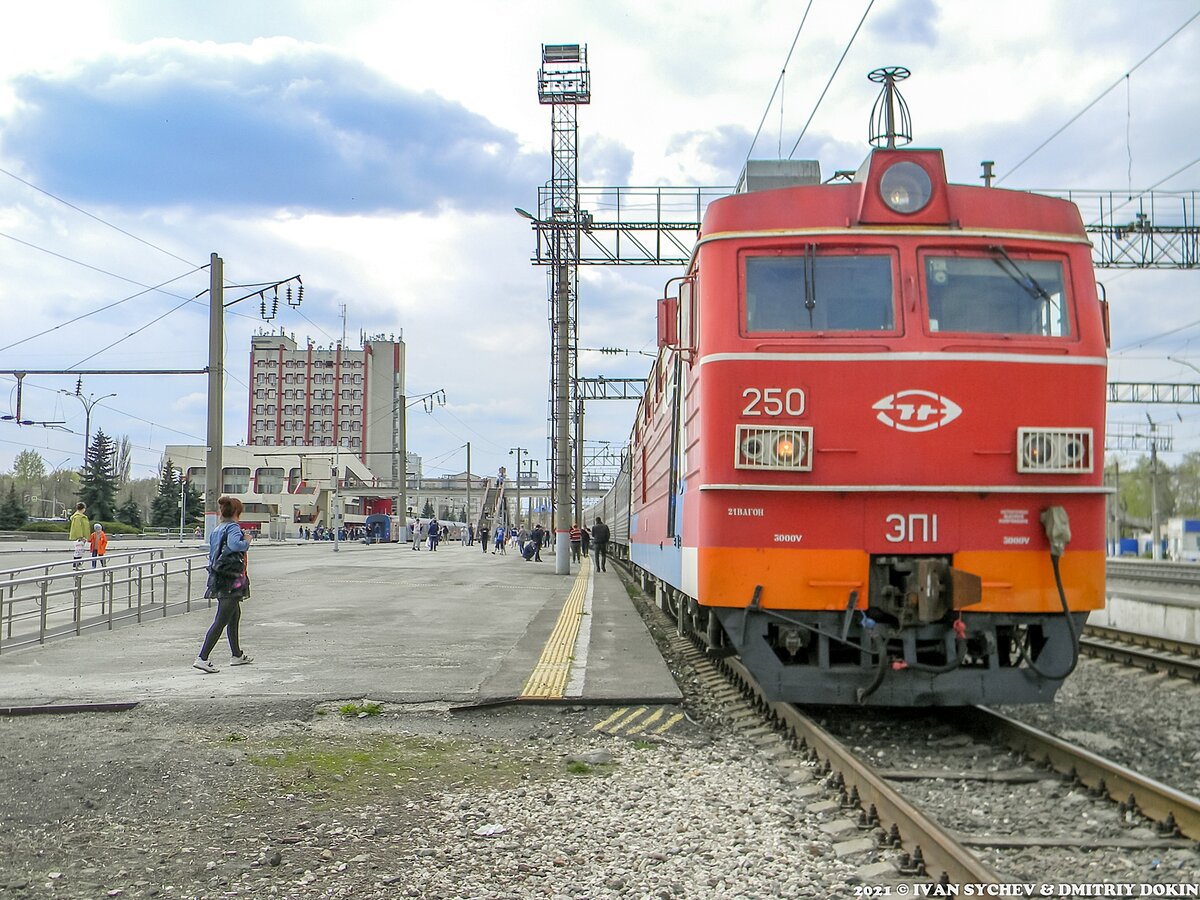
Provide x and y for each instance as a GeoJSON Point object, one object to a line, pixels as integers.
{"type": "Point", "coordinates": [518, 451]}
{"type": "Point", "coordinates": [88, 403]}
{"type": "Point", "coordinates": [532, 463]}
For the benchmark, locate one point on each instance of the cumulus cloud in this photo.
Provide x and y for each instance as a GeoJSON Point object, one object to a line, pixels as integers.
{"type": "Point", "coordinates": [719, 152]}
{"type": "Point", "coordinates": [908, 21]}
{"type": "Point", "coordinates": [270, 125]}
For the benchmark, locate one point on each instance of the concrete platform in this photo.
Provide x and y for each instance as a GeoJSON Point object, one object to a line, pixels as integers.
{"type": "Point", "coordinates": [384, 622]}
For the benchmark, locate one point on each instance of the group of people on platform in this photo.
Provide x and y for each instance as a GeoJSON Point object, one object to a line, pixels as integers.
{"type": "Point", "coordinates": [325, 533]}
{"type": "Point", "coordinates": [428, 534]}
{"type": "Point", "coordinates": [84, 535]}
{"type": "Point", "coordinates": [529, 544]}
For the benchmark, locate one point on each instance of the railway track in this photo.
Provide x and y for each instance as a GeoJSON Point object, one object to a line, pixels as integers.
{"type": "Point", "coordinates": [1177, 573]}
{"type": "Point", "coordinates": [1154, 654]}
{"type": "Point", "coordinates": [1128, 814]}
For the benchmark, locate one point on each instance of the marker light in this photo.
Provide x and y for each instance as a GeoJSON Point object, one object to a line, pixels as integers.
{"type": "Point", "coordinates": [905, 187]}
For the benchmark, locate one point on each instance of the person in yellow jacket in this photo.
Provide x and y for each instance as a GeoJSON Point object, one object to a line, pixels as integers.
{"type": "Point", "coordinates": [98, 541]}
{"type": "Point", "coordinates": [81, 530]}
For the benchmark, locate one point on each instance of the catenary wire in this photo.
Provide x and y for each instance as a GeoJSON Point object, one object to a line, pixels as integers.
{"type": "Point", "coordinates": [132, 333]}
{"type": "Point", "coordinates": [107, 306]}
{"type": "Point", "coordinates": [93, 216]}
{"type": "Point", "coordinates": [831, 77]}
{"type": "Point", "coordinates": [89, 265]}
{"type": "Point", "coordinates": [1104, 94]}
{"type": "Point", "coordinates": [779, 81]}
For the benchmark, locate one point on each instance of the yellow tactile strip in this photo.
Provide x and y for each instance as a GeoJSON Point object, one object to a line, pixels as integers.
{"type": "Point", "coordinates": [549, 677]}
{"type": "Point", "coordinates": [635, 721]}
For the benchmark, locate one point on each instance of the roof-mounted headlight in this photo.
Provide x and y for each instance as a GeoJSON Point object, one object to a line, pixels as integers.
{"type": "Point", "coordinates": [905, 187]}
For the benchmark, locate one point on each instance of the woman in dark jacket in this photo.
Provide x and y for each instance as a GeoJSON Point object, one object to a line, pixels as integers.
{"type": "Point", "coordinates": [229, 604]}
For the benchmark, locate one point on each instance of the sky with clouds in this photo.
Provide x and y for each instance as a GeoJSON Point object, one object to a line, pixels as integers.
{"type": "Point", "coordinates": [379, 148]}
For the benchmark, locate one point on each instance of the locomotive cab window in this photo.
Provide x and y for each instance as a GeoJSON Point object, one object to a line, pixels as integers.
{"type": "Point", "coordinates": [813, 291]}
{"type": "Point", "coordinates": [997, 294]}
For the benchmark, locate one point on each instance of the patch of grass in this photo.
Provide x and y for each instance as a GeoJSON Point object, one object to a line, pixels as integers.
{"type": "Point", "coordinates": [365, 708]}
{"type": "Point", "coordinates": [575, 767]}
{"type": "Point", "coordinates": [644, 745]}
{"type": "Point", "coordinates": [355, 766]}
{"type": "Point", "coordinates": [233, 737]}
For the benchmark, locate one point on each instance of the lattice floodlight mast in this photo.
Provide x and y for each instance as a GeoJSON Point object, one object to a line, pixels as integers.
{"type": "Point", "coordinates": [564, 83]}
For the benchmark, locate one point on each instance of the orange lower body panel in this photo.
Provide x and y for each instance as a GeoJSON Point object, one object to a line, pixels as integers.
{"type": "Point", "coordinates": [1014, 581]}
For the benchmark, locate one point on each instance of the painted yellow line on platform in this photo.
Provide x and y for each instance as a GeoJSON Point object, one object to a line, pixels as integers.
{"type": "Point", "coordinates": [549, 677]}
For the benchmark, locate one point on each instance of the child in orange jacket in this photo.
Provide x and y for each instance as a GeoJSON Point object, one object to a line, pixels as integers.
{"type": "Point", "coordinates": [98, 541]}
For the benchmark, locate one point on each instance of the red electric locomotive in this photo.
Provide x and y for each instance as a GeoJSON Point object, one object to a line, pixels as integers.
{"type": "Point", "coordinates": [869, 456]}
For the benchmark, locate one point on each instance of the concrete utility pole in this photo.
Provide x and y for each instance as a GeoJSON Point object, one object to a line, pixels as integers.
{"type": "Point", "coordinates": [216, 385]}
{"type": "Point", "coordinates": [467, 511]}
{"type": "Point", "coordinates": [1155, 538]}
{"type": "Point", "coordinates": [518, 451]}
{"type": "Point", "coordinates": [562, 424]}
{"type": "Point", "coordinates": [578, 519]}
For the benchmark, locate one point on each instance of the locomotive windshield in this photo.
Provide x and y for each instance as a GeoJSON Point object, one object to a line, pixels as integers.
{"type": "Point", "coordinates": [996, 294]}
{"type": "Point", "coordinates": [825, 292]}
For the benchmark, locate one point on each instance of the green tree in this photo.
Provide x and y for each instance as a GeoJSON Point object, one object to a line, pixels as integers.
{"type": "Point", "coordinates": [195, 504]}
{"type": "Point", "coordinates": [129, 513]}
{"type": "Point", "coordinates": [98, 487]}
{"type": "Point", "coordinates": [427, 510]}
{"type": "Point", "coordinates": [123, 461]}
{"type": "Point", "coordinates": [164, 510]}
{"type": "Point", "coordinates": [12, 513]}
{"type": "Point", "coordinates": [1136, 481]}
{"type": "Point", "coordinates": [29, 467]}
{"type": "Point", "coordinates": [1185, 485]}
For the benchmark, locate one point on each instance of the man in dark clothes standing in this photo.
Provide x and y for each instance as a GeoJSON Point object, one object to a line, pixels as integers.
{"type": "Point", "coordinates": [600, 543]}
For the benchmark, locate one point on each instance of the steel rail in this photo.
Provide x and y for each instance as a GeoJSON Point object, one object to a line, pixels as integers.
{"type": "Point", "coordinates": [1169, 645]}
{"type": "Point", "coordinates": [1143, 652]}
{"type": "Point", "coordinates": [1181, 573]}
{"type": "Point", "coordinates": [920, 836]}
{"type": "Point", "coordinates": [1171, 809]}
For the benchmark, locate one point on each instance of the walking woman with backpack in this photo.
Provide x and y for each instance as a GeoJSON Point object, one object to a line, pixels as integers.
{"type": "Point", "coordinates": [227, 581]}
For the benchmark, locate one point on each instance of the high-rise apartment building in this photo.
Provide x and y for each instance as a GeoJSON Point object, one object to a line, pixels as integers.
{"type": "Point", "coordinates": [328, 396]}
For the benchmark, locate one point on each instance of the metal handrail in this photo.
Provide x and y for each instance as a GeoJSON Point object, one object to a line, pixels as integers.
{"type": "Point", "coordinates": [56, 604]}
{"type": "Point", "coordinates": [84, 560]}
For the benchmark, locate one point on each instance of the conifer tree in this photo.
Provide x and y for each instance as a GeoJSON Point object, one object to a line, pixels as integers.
{"type": "Point", "coordinates": [97, 487]}
{"type": "Point", "coordinates": [164, 511]}
{"type": "Point", "coordinates": [12, 513]}
{"type": "Point", "coordinates": [129, 513]}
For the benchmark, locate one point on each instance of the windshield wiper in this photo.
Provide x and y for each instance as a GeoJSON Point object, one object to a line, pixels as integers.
{"type": "Point", "coordinates": [1027, 282]}
{"type": "Point", "coordinates": [810, 281]}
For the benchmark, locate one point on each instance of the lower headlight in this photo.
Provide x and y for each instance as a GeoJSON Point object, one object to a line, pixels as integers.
{"type": "Point", "coordinates": [788, 449]}
{"type": "Point", "coordinates": [1054, 450]}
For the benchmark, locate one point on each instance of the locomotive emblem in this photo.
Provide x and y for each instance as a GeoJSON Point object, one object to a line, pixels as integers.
{"type": "Point", "coordinates": [916, 410]}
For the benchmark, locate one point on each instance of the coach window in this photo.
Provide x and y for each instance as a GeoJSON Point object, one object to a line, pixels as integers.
{"type": "Point", "coordinates": [813, 291]}
{"type": "Point", "coordinates": [997, 294]}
